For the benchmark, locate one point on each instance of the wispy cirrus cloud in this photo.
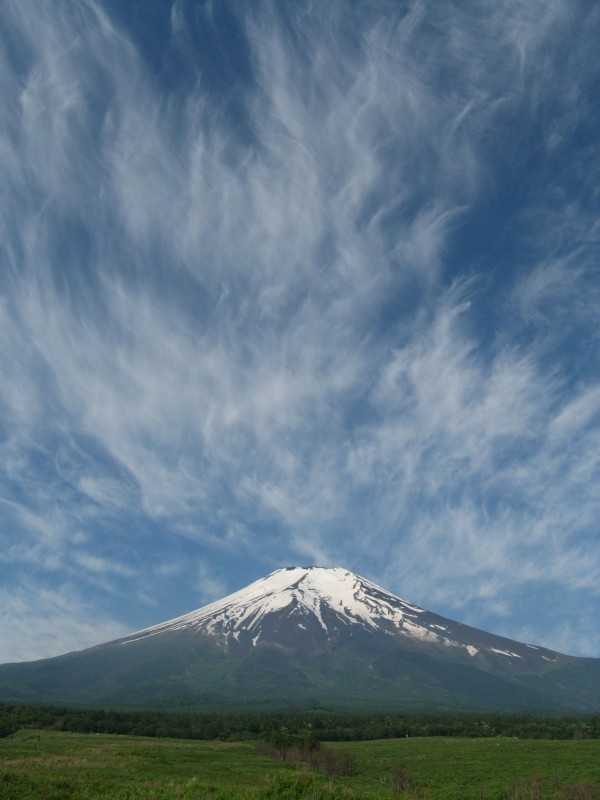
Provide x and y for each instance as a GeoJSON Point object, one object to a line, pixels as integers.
{"type": "Point", "coordinates": [303, 307]}
{"type": "Point", "coordinates": [45, 622]}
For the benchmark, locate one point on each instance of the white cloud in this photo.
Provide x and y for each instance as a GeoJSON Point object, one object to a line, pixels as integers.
{"type": "Point", "coordinates": [249, 334]}
{"type": "Point", "coordinates": [39, 622]}
{"type": "Point", "coordinates": [102, 566]}
{"type": "Point", "coordinates": [577, 414]}
{"type": "Point", "coordinates": [210, 587]}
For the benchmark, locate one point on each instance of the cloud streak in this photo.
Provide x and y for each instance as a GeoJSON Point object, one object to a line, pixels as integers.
{"type": "Point", "coordinates": [314, 315]}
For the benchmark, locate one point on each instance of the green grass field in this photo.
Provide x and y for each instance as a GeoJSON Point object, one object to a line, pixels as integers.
{"type": "Point", "coordinates": [448, 768]}
{"type": "Point", "coordinates": [52, 765]}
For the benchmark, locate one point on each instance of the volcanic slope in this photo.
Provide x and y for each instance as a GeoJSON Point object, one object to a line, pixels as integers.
{"type": "Point", "coordinates": [311, 637]}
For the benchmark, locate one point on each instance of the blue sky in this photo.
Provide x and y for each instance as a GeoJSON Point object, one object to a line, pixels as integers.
{"type": "Point", "coordinates": [298, 283]}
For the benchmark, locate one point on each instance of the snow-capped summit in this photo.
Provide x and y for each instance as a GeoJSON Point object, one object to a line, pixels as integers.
{"type": "Point", "coordinates": [310, 637]}
{"type": "Point", "coordinates": [306, 595]}
{"type": "Point", "coordinates": [293, 604]}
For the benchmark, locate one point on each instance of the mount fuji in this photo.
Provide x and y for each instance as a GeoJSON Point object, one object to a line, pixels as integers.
{"type": "Point", "coordinates": [310, 637]}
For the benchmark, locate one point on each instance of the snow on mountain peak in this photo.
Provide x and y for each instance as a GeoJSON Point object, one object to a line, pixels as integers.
{"type": "Point", "coordinates": [294, 604]}
{"type": "Point", "coordinates": [301, 592]}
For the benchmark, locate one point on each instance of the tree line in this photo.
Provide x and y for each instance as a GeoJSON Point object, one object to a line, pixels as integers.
{"type": "Point", "coordinates": [318, 725]}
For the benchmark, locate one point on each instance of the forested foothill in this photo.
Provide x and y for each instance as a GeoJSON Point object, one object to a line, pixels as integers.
{"type": "Point", "coordinates": [291, 727]}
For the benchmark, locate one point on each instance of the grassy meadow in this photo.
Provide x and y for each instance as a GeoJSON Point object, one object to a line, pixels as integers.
{"type": "Point", "coordinates": [53, 765]}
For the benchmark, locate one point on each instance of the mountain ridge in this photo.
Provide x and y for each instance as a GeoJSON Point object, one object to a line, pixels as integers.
{"type": "Point", "coordinates": [306, 636]}
{"type": "Point", "coordinates": [351, 598]}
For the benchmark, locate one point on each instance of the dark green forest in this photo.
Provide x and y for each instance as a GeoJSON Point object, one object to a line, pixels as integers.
{"type": "Point", "coordinates": [294, 726]}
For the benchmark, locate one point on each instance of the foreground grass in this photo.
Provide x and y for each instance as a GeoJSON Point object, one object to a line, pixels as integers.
{"type": "Point", "coordinates": [56, 766]}
{"type": "Point", "coordinates": [62, 766]}
{"type": "Point", "coordinates": [450, 768]}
